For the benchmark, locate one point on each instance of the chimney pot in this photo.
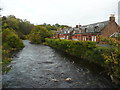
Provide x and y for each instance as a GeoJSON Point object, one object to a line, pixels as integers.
{"type": "Point", "coordinates": [112, 17]}
{"type": "Point", "coordinates": [78, 26]}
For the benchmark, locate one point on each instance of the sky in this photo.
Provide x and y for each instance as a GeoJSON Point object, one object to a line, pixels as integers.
{"type": "Point", "coordinates": [64, 12]}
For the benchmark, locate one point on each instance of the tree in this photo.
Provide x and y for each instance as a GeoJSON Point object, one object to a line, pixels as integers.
{"type": "Point", "coordinates": [22, 27]}
{"type": "Point", "coordinates": [25, 27]}
{"type": "Point", "coordinates": [10, 43]}
{"type": "Point", "coordinates": [38, 34]}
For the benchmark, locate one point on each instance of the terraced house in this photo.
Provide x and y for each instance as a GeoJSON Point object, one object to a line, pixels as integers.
{"type": "Point", "coordinates": [90, 32]}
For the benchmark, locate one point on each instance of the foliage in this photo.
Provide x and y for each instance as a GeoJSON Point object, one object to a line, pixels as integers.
{"type": "Point", "coordinates": [112, 59]}
{"type": "Point", "coordinates": [110, 41]}
{"type": "Point", "coordinates": [38, 34]}
{"type": "Point", "coordinates": [54, 27]}
{"type": "Point", "coordinates": [104, 56]}
{"type": "Point", "coordinates": [11, 39]}
{"type": "Point", "coordinates": [25, 27]}
{"type": "Point", "coordinates": [118, 37]}
{"type": "Point", "coordinates": [22, 27]}
{"type": "Point", "coordinates": [10, 43]}
{"type": "Point", "coordinates": [77, 48]}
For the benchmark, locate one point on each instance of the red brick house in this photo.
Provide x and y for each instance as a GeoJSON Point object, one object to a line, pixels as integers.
{"type": "Point", "coordinates": [76, 34]}
{"type": "Point", "coordinates": [90, 32]}
{"type": "Point", "coordinates": [65, 33]}
{"type": "Point", "coordinates": [93, 31]}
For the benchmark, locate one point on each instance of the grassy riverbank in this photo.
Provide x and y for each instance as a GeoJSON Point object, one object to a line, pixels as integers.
{"type": "Point", "coordinates": [107, 57]}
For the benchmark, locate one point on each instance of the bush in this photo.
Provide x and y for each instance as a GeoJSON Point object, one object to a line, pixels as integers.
{"type": "Point", "coordinates": [10, 43]}
{"type": "Point", "coordinates": [105, 56]}
{"type": "Point", "coordinates": [110, 41]}
{"type": "Point", "coordinates": [38, 34]}
{"type": "Point", "coordinates": [78, 48]}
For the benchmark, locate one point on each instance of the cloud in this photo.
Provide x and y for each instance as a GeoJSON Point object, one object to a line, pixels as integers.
{"type": "Point", "coordinates": [60, 11]}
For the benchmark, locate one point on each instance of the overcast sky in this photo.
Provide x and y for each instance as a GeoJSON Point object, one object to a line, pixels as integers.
{"type": "Point", "coordinates": [66, 12]}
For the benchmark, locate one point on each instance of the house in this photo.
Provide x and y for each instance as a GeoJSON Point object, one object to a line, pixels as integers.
{"type": "Point", "coordinates": [90, 32]}
{"type": "Point", "coordinates": [64, 33]}
{"type": "Point", "coordinates": [76, 34]}
{"type": "Point", "coordinates": [106, 29]}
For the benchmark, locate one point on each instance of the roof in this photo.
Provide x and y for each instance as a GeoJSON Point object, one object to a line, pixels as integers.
{"type": "Point", "coordinates": [96, 27]}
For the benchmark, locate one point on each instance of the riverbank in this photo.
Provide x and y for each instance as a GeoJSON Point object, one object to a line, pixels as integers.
{"type": "Point", "coordinates": [10, 43]}
{"type": "Point", "coordinates": [103, 56]}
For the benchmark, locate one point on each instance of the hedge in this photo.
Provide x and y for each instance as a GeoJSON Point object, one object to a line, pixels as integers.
{"type": "Point", "coordinates": [106, 57]}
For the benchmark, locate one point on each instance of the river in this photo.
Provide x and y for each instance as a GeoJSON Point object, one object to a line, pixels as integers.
{"type": "Point", "coordinates": [39, 66]}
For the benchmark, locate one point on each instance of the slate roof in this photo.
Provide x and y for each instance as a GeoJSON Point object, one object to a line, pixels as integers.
{"type": "Point", "coordinates": [96, 27]}
{"type": "Point", "coordinates": [77, 30]}
{"type": "Point", "coordinates": [64, 31]}
{"type": "Point", "coordinates": [91, 28]}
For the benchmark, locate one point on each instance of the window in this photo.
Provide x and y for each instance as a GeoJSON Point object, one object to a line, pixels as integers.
{"type": "Point", "coordinates": [73, 32]}
{"type": "Point", "coordinates": [80, 31]}
{"type": "Point", "coordinates": [86, 30]}
{"type": "Point", "coordinates": [93, 38]}
{"type": "Point", "coordinates": [84, 38]}
{"type": "Point", "coordinates": [96, 29]}
{"type": "Point", "coordinates": [67, 37]}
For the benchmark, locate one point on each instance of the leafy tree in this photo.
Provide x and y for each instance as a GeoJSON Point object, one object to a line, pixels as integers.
{"type": "Point", "coordinates": [22, 27]}
{"type": "Point", "coordinates": [11, 39]}
{"type": "Point", "coordinates": [10, 43]}
{"type": "Point", "coordinates": [25, 27]}
{"type": "Point", "coordinates": [13, 22]}
{"type": "Point", "coordinates": [39, 33]}
{"type": "Point", "coordinates": [54, 27]}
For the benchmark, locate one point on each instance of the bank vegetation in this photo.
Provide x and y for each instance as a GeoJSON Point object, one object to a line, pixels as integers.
{"type": "Point", "coordinates": [105, 56]}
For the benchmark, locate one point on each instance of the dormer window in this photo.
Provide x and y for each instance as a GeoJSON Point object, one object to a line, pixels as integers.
{"type": "Point", "coordinates": [96, 29]}
{"type": "Point", "coordinates": [86, 30]}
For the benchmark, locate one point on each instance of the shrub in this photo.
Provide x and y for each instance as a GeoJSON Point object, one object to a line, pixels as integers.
{"type": "Point", "coordinates": [10, 43]}
{"type": "Point", "coordinates": [38, 34]}
{"type": "Point", "coordinates": [110, 41]}
{"type": "Point", "coordinates": [108, 57]}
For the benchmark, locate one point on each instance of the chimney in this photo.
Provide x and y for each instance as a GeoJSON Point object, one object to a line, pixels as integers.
{"type": "Point", "coordinates": [78, 26]}
{"type": "Point", "coordinates": [112, 17]}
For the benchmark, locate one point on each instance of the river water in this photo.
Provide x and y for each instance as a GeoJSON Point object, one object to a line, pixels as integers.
{"type": "Point", "coordinates": [39, 66]}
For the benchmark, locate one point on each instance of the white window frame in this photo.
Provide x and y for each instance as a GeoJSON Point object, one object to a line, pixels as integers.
{"type": "Point", "coordinates": [84, 38]}
{"type": "Point", "coordinates": [67, 37]}
{"type": "Point", "coordinates": [64, 37]}
{"type": "Point", "coordinates": [94, 38]}
{"type": "Point", "coordinates": [80, 31]}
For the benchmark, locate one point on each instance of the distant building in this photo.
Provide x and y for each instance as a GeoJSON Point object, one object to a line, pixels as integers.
{"type": "Point", "coordinates": [90, 32]}
{"type": "Point", "coordinates": [119, 13]}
